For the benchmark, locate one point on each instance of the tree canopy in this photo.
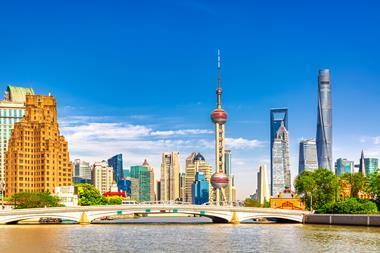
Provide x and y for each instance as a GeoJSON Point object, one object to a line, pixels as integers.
{"type": "Point", "coordinates": [34, 200]}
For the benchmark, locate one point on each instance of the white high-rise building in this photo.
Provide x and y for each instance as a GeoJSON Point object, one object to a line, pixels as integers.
{"type": "Point", "coordinates": [82, 169]}
{"type": "Point", "coordinates": [12, 110]}
{"type": "Point", "coordinates": [170, 176]}
{"type": "Point", "coordinates": [102, 176]}
{"type": "Point", "coordinates": [280, 161]}
{"type": "Point", "coordinates": [263, 193]}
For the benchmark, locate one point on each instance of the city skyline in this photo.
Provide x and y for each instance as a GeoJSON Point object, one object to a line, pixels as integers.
{"type": "Point", "coordinates": [122, 108]}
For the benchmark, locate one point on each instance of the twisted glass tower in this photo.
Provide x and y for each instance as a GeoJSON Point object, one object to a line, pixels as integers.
{"type": "Point", "coordinates": [324, 121]}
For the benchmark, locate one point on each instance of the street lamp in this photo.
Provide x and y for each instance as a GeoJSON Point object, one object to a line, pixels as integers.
{"type": "Point", "coordinates": [2, 189]}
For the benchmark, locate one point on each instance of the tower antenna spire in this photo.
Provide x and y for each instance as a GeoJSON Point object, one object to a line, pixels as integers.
{"type": "Point", "coordinates": [219, 89]}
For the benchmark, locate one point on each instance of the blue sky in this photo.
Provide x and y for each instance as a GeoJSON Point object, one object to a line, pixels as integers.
{"type": "Point", "coordinates": [139, 77]}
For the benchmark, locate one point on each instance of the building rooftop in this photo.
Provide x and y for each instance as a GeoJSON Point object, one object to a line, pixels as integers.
{"type": "Point", "coordinates": [17, 94]}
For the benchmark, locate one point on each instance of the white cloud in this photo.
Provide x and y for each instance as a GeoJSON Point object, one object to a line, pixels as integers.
{"type": "Point", "coordinates": [376, 140]}
{"type": "Point", "coordinates": [181, 132]}
{"type": "Point", "coordinates": [241, 143]}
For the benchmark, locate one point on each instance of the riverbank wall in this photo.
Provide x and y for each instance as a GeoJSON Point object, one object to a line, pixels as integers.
{"type": "Point", "coordinates": [343, 219]}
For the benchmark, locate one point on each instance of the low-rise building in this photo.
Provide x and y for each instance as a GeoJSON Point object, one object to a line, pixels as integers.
{"type": "Point", "coordinates": [68, 195]}
{"type": "Point", "coordinates": [287, 200]}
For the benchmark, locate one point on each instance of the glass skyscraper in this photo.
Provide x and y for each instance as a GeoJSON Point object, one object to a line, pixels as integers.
{"type": "Point", "coordinates": [344, 166]}
{"type": "Point", "coordinates": [200, 189]}
{"type": "Point", "coordinates": [371, 165]}
{"type": "Point", "coordinates": [307, 156]}
{"type": "Point", "coordinates": [116, 162]}
{"type": "Point", "coordinates": [324, 121]}
{"type": "Point", "coordinates": [142, 174]}
{"type": "Point", "coordinates": [278, 118]}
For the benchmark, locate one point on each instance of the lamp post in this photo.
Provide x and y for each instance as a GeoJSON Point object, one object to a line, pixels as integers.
{"type": "Point", "coordinates": [2, 189]}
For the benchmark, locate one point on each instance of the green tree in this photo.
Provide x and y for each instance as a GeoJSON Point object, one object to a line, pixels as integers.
{"type": "Point", "coordinates": [88, 195]}
{"type": "Point", "coordinates": [34, 200]}
{"type": "Point", "coordinates": [248, 202]}
{"type": "Point", "coordinates": [305, 186]}
{"type": "Point", "coordinates": [350, 206]}
{"type": "Point", "coordinates": [321, 185]}
{"type": "Point", "coordinates": [373, 187]}
{"type": "Point", "coordinates": [114, 200]}
{"type": "Point", "coordinates": [357, 181]}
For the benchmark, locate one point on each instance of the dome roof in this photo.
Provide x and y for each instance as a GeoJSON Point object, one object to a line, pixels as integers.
{"type": "Point", "coordinates": [199, 157]}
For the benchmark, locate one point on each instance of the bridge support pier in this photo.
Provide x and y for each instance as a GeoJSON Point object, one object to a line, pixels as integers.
{"type": "Point", "coordinates": [84, 219]}
{"type": "Point", "coordinates": [235, 218]}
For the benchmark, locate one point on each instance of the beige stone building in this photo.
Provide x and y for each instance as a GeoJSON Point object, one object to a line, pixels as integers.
{"type": "Point", "coordinates": [102, 176]}
{"type": "Point", "coordinates": [38, 157]}
{"type": "Point", "coordinates": [196, 162]}
{"type": "Point", "coordinates": [170, 176]}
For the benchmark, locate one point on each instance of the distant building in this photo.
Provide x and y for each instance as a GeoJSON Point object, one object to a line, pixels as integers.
{"type": "Point", "coordinates": [135, 189]}
{"type": "Point", "coordinates": [102, 176]}
{"type": "Point", "coordinates": [12, 108]}
{"type": "Point", "coordinates": [362, 165]}
{"type": "Point", "coordinates": [124, 185]}
{"type": "Point", "coordinates": [371, 165]}
{"type": "Point", "coordinates": [37, 159]}
{"type": "Point", "coordinates": [200, 189]}
{"type": "Point", "coordinates": [158, 190]}
{"type": "Point", "coordinates": [343, 166]}
{"type": "Point", "coordinates": [287, 200]}
{"type": "Point", "coordinates": [195, 162]}
{"type": "Point", "coordinates": [68, 195]}
{"type": "Point", "coordinates": [126, 173]}
{"type": "Point", "coordinates": [182, 186]}
{"type": "Point", "coordinates": [263, 193]}
{"type": "Point", "coordinates": [280, 161]}
{"type": "Point", "coordinates": [230, 189]}
{"type": "Point", "coordinates": [151, 180]}
{"type": "Point", "coordinates": [278, 118]}
{"type": "Point", "coordinates": [81, 172]}
{"type": "Point", "coordinates": [324, 121]}
{"type": "Point", "coordinates": [142, 174]}
{"type": "Point", "coordinates": [307, 156]}
{"type": "Point", "coordinates": [228, 164]}
{"type": "Point", "coordinates": [170, 176]}
{"type": "Point", "coordinates": [116, 162]}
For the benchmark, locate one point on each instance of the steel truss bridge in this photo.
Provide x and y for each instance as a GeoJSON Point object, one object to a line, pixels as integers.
{"type": "Point", "coordinates": [218, 214]}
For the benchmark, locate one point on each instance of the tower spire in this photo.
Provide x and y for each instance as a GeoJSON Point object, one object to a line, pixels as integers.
{"type": "Point", "coordinates": [219, 89]}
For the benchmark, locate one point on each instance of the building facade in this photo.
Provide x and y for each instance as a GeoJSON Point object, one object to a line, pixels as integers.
{"type": "Point", "coordinates": [343, 166]}
{"type": "Point", "coordinates": [37, 159]}
{"type": "Point", "coordinates": [151, 180]}
{"type": "Point", "coordinates": [281, 177]}
{"type": "Point", "coordinates": [169, 176]}
{"type": "Point", "coordinates": [371, 165]}
{"type": "Point", "coordinates": [116, 162]}
{"type": "Point", "coordinates": [324, 121]}
{"type": "Point", "coordinates": [262, 192]}
{"type": "Point", "coordinates": [195, 162]}
{"type": "Point", "coordinates": [102, 176]}
{"type": "Point", "coordinates": [362, 164]}
{"type": "Point", "coordinates": [142, 174]}
{"type": "Point", "coordinates": [12, 109]}
{"type": "Point", "coordinates": [124, 185]}
{"type": "Point", "coordinates": [81, 172]}
{"type": "Point", "coordinates": [307, 156]}
{"type": "Point", "coordinates": [278, 117]}
{"type": "Point", "coordinates": [200, 189]}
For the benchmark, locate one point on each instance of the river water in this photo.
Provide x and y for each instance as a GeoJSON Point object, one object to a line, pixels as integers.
{"type": "Point", "coordinates": [201, 237]}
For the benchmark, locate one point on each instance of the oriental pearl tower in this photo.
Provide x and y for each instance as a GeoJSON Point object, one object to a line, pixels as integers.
{"type": "Point", "coordinates": [219, 179]}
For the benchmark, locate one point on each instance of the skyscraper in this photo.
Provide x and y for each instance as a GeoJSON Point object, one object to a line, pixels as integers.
{"type": "Point", "coordinates": [344, 166]}
{"type": "Point", "coordinates": [227, 159]}
{"type": "Point", "coordinates": [151, 180]}
{"type": "Point", "coordinates": [324, 121]}
{"type": "Point", "coordinates": [278, 117]}
{"type": "Point", "coordinates": [371, 165]}
{"type": "Point", "coordinates": [200, 189]}
{"type": "Point", "coordinates": [169, 182]}
{"type": "Point", "coordinates": [280, 162]}
{"type": "Point", "coordinates": [142, 174]}
{"type": "Point", "coordinates": [263, 194]}
{"type": "Point", "coordinates": [307, 156]}
{"type": "Point", "coordinates": [182, 186]}
{"type": "Point", "coordinates": [82, 172]}
{"type": "Point", "coordinates": [219, 179]}
{"type": "Point", "coordinates": [12, 109]}
{"type": "Point", "coordinates": [116, 162]}
{"type": "Point", "coordinates": [195, 162]}
{"type": "Point", "coordinates": [38, 157]}
{"type": "Point", "coordinates": [102, 176]}
{"type": "Point", "coordinates": [362, 165]}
